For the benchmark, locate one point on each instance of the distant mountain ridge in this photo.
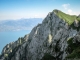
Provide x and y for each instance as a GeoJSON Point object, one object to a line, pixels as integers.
{"type": "Point", "coordinates": [21, 24]}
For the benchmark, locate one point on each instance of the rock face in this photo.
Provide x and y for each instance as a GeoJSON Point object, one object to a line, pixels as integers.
{"type": "Point", "coordinates": [76, 23]}
{"type": "Point", "coordinates": [51, 40]}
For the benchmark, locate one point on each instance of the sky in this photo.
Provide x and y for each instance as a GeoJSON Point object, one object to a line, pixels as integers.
{"type": "Point", "coordinates": [17, 9]}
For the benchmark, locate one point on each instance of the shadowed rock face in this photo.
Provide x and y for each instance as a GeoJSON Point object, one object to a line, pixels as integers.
{"type": "Point", "coordinates": [51, 40]}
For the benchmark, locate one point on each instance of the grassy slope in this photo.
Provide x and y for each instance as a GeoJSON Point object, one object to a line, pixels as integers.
{"type": "Point", "coordinates": [68, 18]}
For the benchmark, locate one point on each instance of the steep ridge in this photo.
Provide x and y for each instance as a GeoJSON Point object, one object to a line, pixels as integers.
{"type": "Point", "coordinates": [54, 39]}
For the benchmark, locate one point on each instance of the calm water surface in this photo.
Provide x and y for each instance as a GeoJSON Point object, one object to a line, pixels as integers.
{"type": "Point", "coordinates": [10, 36]}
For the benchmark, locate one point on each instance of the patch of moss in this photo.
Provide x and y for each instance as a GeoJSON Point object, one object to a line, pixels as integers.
{"type": "Point", "coordinates": [69, 40]}
{"type": "Point", "coordinates": [71, 45]}
{"type": "Point", "coordinates": [78, 18]}
{"type": "Point", "coordinates": [73, 49]}
{"type": "Point", "coordinates": [75, 53]}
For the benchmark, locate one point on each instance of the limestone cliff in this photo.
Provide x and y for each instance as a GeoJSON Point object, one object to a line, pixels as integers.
{"type": "Point", "coordinates": [54, 39]}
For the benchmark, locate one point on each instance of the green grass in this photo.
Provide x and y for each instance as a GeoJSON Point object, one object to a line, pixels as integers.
{"type": "Point", "coordinates": [66, 17]}
{"type": "Point", "coordinates": [78, 19]}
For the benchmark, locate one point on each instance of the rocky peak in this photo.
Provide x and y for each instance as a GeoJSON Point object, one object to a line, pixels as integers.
{"type": "Point", "coordinates": [54, 39]}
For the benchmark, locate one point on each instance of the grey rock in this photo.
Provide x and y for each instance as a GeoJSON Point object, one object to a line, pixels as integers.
{"type": "Point", "coordinates": [50, 37]}
{"type": "Point", "coordinates": [76, 23]}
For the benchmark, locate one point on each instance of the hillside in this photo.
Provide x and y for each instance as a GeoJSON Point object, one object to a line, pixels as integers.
{"type": "Point", "coordinates": [66, 17]}
{"type": "Point", "coordinates": [19, 24]}
{"type": "Point", "coordinates": [56, 38]}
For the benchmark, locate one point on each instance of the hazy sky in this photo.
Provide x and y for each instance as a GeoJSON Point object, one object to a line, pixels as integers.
{"type": "Point", "coordinates": [17, 9]}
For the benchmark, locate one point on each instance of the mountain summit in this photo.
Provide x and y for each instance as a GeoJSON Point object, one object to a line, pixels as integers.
{"type": "Point", "coordinates": [57, 38]}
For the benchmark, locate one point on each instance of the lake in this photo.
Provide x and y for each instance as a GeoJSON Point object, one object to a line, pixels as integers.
{"type": "Point", "coordinates": [10, 36]}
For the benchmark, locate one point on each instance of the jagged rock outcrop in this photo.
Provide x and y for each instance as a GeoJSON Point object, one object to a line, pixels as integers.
{"type": "Point", "coordinates": [52, 40]}
{"type": "Point", "coordinates": [76, 23]}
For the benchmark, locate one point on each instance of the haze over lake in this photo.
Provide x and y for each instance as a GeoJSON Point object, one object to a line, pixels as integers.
{"type": "Point", "coordinates": [11, 30]}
